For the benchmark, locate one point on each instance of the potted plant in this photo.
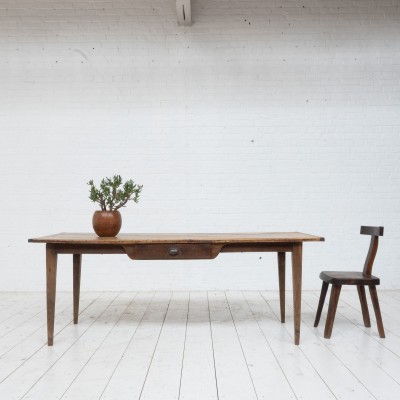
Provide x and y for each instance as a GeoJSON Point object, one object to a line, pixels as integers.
{"type": "Point", "coordinates": [111, 195]}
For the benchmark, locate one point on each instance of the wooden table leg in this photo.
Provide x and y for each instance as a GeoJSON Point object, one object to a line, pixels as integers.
{"type": "Point", "coordinates": [51, 278]}
{"type": "Point", "coordinates": [281, 272]}
{"type": "Point", "coordinates": [77, 262]}
{"type": "Point", "coordinates": [296, 276]}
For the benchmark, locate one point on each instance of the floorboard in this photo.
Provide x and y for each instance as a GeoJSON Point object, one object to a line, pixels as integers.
{"type": "Point", "coordinates": [196, 346]}
{"type": "Point", "coordinates": [129, 376]}
{"type": "Point", "coordinates": [164, 375]}
{"type": "Point", "coordinates": [232, 370]}
{"type": "Point", "coordinates": [368, 360]}
{"type": "Point", "coordinates": [93, 377]}
{"type": "Point", "coordinates": [198, 381]}
{"type": "Point", "coordinates": [269, 379]}
{"type": "Point", "coordinates": [295, 365]}
{"type": "Point", "coordinates": [32, 369]}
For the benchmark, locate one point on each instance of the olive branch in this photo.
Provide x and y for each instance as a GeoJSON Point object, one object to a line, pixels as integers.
{"type": "Point", "coordinates": [112, 194]}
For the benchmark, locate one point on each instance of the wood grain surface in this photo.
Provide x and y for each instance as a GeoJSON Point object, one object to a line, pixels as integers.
{"type": "Point", "coordinates": [138, 238]}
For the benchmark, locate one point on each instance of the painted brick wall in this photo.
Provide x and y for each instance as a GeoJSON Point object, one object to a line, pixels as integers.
{"type": "Point", "coordinates": [263, 116]}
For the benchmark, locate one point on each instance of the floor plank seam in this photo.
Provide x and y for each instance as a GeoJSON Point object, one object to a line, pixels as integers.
{"type": "Point", "coordinates": [241, 345]}
{"type": "Point", "coordinates": [58, 359]}
{"type": "Point", "coordinates": [22, 309]}
{"type": "Point", "coordinates": [308, 360]}
{"type": "Point", "coordinates": [269, 345]}
{"type": "Point", "coordinates": [372, 317]}
{"type": "Point", "coordinates": [155, 347]}
{"type": "Point", "coordinates": [212, 343]}
{"type": "Point", "coordinates": [195, 345]}
{"type": "Point", "coordinates": [97, 348]}
{"type": "Point", "coordinates": [127, 346]}
{"type": "Point", "coordinates": [40, 327]}
{"type": "Point", "coordinates": [184, 348]}
{"type": "Point", "coordinates": [335, 355]}
{"type": "Point", "coordinates": [41, 347]}
{"type": "Point", "coordinates": [369, 334]}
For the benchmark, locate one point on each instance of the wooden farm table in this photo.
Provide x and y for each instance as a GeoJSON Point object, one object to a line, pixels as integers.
{"type": "Point", "coordinates": [174, 247]}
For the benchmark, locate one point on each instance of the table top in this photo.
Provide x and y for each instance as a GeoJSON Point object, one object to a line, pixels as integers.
{"type": "Point", "coordinates": [149, 238]}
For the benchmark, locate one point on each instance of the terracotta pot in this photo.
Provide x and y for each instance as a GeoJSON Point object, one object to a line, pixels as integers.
{"type": "Point", "coordinates": [107, 223]}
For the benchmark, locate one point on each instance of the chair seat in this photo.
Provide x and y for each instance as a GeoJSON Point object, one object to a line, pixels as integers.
{"type": "Point", "coordinates": [348, 278]}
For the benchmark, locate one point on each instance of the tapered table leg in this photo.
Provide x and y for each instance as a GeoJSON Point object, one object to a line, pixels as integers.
{"type": "Point", "coordinates": [296, 276]}
{"type": "Point", "coordinates": [281, 272]}
{"type": "Point", "coordinates": [51, 278]}
{"type": "Point", "coordinates": [77, 262]}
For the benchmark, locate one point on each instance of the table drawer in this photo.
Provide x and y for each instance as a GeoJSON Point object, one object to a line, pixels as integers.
{"type": "Point", "coordinates": [182, 251]}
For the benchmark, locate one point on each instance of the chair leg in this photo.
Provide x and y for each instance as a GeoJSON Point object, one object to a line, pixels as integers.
{"type": "Point", "coordinates": [333, 302]}
{"type": "Point", "coordinates": [364, 305]}
{"type": "Point", "coordinates": [322, 296]}
{"type": "Point", "coordinates": [375, 303]}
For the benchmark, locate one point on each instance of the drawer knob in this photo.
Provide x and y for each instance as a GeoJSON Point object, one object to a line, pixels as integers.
{"type": "Point", "coordinates": [173, 251]}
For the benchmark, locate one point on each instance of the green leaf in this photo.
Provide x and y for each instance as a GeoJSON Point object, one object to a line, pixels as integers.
{"type": "Point", "coordinates": [111, 196]}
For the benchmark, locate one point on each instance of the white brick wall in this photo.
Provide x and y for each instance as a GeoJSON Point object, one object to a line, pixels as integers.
{"type": "Point", "coordinates": [264, 115]}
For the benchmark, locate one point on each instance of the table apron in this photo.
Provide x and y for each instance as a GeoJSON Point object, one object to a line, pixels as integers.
{"type": "Point", "coordinates": [257, 247]}
{"type": "Point", "coordinates": [72, 248]}
{"type": "Point", "coordinates": [67, 248]}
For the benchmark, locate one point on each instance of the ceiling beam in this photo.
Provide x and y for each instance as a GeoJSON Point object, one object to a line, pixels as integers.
{"type": "Point", "coordinates": [184, 12]}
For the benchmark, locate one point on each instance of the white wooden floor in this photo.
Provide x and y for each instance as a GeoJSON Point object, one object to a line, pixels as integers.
{"type": "Point", "coordinates": [197, 345]}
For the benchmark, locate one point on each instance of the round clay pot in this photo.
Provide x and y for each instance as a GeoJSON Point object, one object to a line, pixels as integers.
{"type": "Point", "coordinates": [107, 223]}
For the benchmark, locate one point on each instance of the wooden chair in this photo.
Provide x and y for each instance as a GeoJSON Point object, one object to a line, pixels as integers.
{"type": "Point", "coordinates": [361, 279]}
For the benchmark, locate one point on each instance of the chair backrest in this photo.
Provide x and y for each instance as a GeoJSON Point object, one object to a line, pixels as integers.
{"type": "Point", "coordinates": [374, 232]}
